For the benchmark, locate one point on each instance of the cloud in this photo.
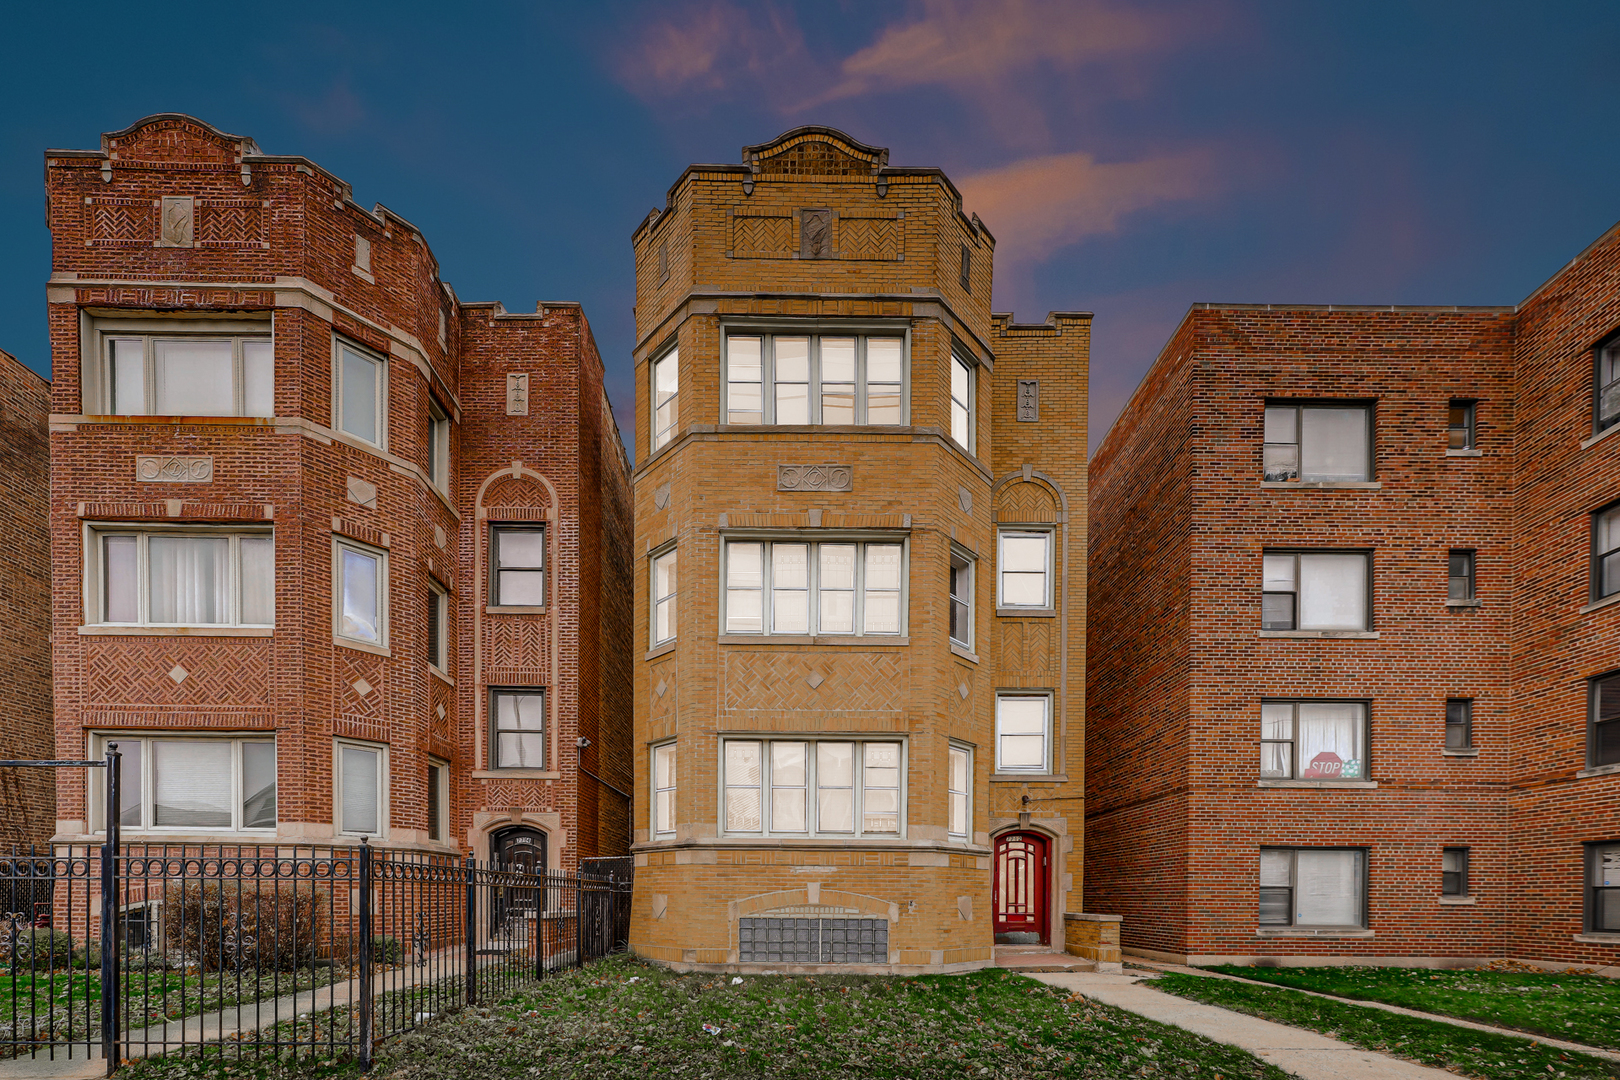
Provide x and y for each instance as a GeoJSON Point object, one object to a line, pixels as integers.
{"type": "Point", "coordinates": [1039, 205]}
{"type": "Point", "coordinates": [705, 46]}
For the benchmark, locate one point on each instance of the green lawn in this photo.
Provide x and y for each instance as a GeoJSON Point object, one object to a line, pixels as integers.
{"type": "Point", "coordinates": [1579, 1008]}
{"type": "Point", "coordinates": [620, 1018]}
{"type": "Point", "coordinates": [1428, 1042]}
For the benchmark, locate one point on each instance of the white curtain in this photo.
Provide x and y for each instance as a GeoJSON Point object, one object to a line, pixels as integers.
{"type": "Point", "coordinates": [1334, 446]}
{"type": "Point", "coordinates": [792, 370]}
{"type": "Point", "coordinates": [882, 601]}
{"type": "Point", "coordinates": [194, 378]}
{"type": "Point", "coordinates": [359, 596]}
{"type": "Point", "coordinates": [1328, 889]}
{"type": "Point", "coordinates": [742, 786]}
{"type": "Point", "coordinates": [361, 805]}
{"type": "Point", "coordinates": [359, 395]}
{"type": "Point", "coordinates": [189, 579]}
{"type": "Point", "coordinates": [258, 379]}
{"type": "Point", "coordinates": [258, 581]}
{"type": "Point", "coordinates": [1332, 592]}
{"type": "Point", "coordinates": [1330, 741]}
{"type": "Point", "coordinates": [520, 724]}
{"type": "Point", "coordinates": [1021, 733]}
{"type": "Point", "coordinates": [835, 783]}
{"type": "Point", "coordinates": [745, 576]}
{"type": "Point", "coordinates": [790, 588]}
{"type": "Point", "coordinates": [258, 785]}
{"type": "Point", "coordinates": [127, 367]}
{"type": "Point", "coordinates": [121, 578]}
{"type": "Point", "coordinates": [788, 773]}
{"type": "Point", "coordinates": [191, 782]}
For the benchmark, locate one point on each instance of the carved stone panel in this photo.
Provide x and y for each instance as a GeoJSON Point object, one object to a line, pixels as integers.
{"type": "Point", "coordinates": [174, 469]}
{"type": "Point", "coordinates": [1029, 400]}
{"type": "Point", "coordinates": [815, 478]}
{"type": "Point", "coordinates": [815, 234]}
{"type": "Point", "coordinates": [517, 394]}
{"type": "Point", "coordinates": [175, 226]}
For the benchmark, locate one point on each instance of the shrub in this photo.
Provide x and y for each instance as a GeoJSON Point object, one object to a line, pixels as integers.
{"type": "Point", "coordinates": [39, 949]}
{"type": "Point", "coordinates": [385, 950]}
{"type": "Point", "coordinates": [268, 926]}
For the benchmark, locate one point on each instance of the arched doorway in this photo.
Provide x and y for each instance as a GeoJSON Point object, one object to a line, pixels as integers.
{"type": "Point", "coordinates": [523, 849]}
{"type": "Point", "coordinates": [1018, 889]}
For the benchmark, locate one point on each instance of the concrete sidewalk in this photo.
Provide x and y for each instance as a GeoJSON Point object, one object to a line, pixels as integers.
{"type": "Point", "coordinates": [1304, 1053]}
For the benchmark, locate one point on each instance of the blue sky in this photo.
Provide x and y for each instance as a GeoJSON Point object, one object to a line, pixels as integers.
{"type": "Point", "coordinates": [1131, 159]}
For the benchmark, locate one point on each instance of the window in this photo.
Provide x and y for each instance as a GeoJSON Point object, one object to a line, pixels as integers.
{"type": "Point", "coordinates": [438, 447]}
{"type": "Point", "coordinates": [361, 788]}
{"type": "Point", "coordinates": [1606, 552]}
{"type": "Point", "coordinates": [517, 723]}
{"type": "Point", "coordinates": [438, 626]}
{"type": "Point", "coordinates": [959, 820]}
{"type": "Point", "coordinates": [1023, 733]}
{"type": "Point", "coordinates": [1025, 569]}
{"type": "Point", "coordinates": [1459, 724]}
{"type": "Point", "coordinates": [518, 557]}
{"type": "Point", "coordinates": [1318, 443]}
{"type": "Point", "coordinates": [1314, 591]}
{"type": "Point", "coordinates": [184, 372]}
{"type": "Point", "coordinates": [1313, 887]}
{"type": "Point", "coordinates": [962, 401]}
{"type": "Point", "coordinates": [1460, 426]}
{"type": "Point", "coordinates": [438, 799]}
{"type": "Point", "coordinates": [961, 599]}
{"type": "Point", "coordinates": [666, 376]}
{"type": "Point", "coordinates": [1604, 863]}
{"type": "Point", "coordinates": [192, 784]}
{"type": "Point", "coordinates": [663, 597]}
{"type": "Point", "coordinates": [362, 592]}
{"type": "Point", "coordinates": [663, 803]}
{"type": "Point", "coordinates": [1313, 740]}
{"type": "Point", "coordinates": [781, 587]}
{"type": "Point", "coordinates": [1603, 741]}
{"type": "Point", "coordinates": [1606, 396]}
{"type": "Point", "coordinates": [1460, 575]}
{"type": "Point", "coordinates": [815, 379]}
{"type": "Point", "coordinates": [830, 787]}
{"type": "Point", "coordinates": [1454, 871]}
{"type": "Point", "coordinates": [361, 388]}
{"type": "Point", "coordinates": [182, 577]}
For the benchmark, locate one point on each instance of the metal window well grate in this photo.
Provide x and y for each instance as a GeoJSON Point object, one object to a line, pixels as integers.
{"type": "Point", "coordinates": [813, 941]}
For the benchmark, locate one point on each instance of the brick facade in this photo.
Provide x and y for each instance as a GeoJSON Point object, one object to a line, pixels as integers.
{"type": "Point", "coordinates": [1178, 811]}
{"type": "Point", "coordinates": [815, 234]}
{"type": "Point", "coordinates": [179, 229]}
{"type": "Point", "coordinates": [25, 604]}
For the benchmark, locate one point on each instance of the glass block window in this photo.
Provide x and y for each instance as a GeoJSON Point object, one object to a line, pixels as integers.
{"type": "Point", "coordinates": [813, 941]}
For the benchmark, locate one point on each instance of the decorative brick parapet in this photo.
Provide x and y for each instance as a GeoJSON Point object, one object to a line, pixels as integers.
{"type": "Point", "coordinates": [1093, 937]}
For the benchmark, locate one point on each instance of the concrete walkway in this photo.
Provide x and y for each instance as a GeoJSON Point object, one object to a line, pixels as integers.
{"type": "Point", "coordinates": [1304, 1053]}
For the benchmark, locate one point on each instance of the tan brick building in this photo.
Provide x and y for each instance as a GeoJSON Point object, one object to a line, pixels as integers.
{"type": "Point", "coordinates": [25, 605]}
{"type": "Point", "coordinates": [334, 553]}
{"type": "Point", "coordinates": [860, 585]}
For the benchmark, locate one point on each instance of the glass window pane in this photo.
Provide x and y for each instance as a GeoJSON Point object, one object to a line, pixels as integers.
{"type": "Point", "coordinates": [1334, 447]}
{"type": "Point", "coordinates": [258, 555]}
{"type": "Point", "coordinates": [520, 588]}
{"type": "Point", "coordinates": [360, 811]}
{"type": "Point", "coordinates": [358, 618]}
{"type": "Point", "coordinates": [1281, 463]}
{"type": "Point", "coordinates": [1280, 424]}
{"type": "Point", "coordinates": [882, 566]}
{"type": "Point", "coordinates": [130, 782]}
{"type": "Point", "coordinates": [1023, 752]}
{"type": "Point", "coordinates": [194, 378]}
{"type": "Point", "coordinates": [189, 579]}
{"type": "Point", "coordinates": [258, 785]}
{"type": "Point", "coordinates": [1276, 867]}
{"type": "Point", "coordinates": [745, 565]}
{"type": "Point", "coordinates": [664, 807]}
{"type": "Point", "coordinates": [792, 356]}
{"type": "Point", "coordinates": [258, 379]}
{"type": "Point", "coordinates": [191, 783]}
{"type": "Point", "coordinates": [1276, 906]}
{"type": "Point", "coordinates": [1023, 590]}
{"type": "Point", "coordinates": [1021, 715]}
{"type": "Point", "coordinates": [742, 810]}
{"type": "Point", "coordinates": [742, 762]}
{"type": "Point", "coordinates": [359, 395]}
{"type": "Point", "coordinates": [880, 810]}
{"type": "Point", "coordinates": [959, 381]}
{"type": "Point", "coordinates": [958, 814]}
{"type": "Point", "coordinates": [788, 764]}
{"type": "Point", "coordinates": [744, 612]}
{"type": "Point", "coordinates": [1277, 611]}
{"type": "Point", "coordinates": [790, 612]}
{"type": "Point", "coordinates": [835, 810]}
{"type": "Point", "coordinates": [127, 370]}
{"type": "Point", "coordinates": [835, 764]}
{"type": "Point", "coordinates": [837, 380]}
{"type": "Point", "coordinates": [121, 579]}
{"type": "Point", "coordinates": [788, 809]}
{"type": "Point", "coordinates": [664, 575]}
{"type": "Point", "coordinates": [959, 770]}
{"type": "Point", "coordinates": [1333, 592]}
{"type": "Point", "coordinates": [1023, 553]}
{"type": "Point", "coordinates": [1279, 573]}
{"type": "Point", "coordinates": [1277, 760]}
{"type": "Point", "coordinates": [1330, 741]}
{"type": "Point", "coordinates": [520, 548]}
{"type": "Point", "coordinates": [882, 764]}
{"type": "Point", "coordinates": [882, 612]}
{"type": "Point", "coordinates": [1276, 720]}
{"type": "Point", "coordinates": [520, 750]}
{"type": "Point", "coordinates": [837, 566]}
{"type": "Point", "coordinates": [792, 403]}
{"type": "Point", "coordinates": [883, 360]}
{"type": "Point", "coordinates": [744, 376]}
{"type": "Point", "coordinates": [664, 766]}
{"type": "Point", "coordinates": [1329, 888]}
{"type": "Point", "coordinates": [790, 566]}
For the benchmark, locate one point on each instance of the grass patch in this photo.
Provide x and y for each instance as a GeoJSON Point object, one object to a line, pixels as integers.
{"type": "Point", "coordinates": [1579, 1008]}
{"type": "Point", "coordinates": [1427, 1042]}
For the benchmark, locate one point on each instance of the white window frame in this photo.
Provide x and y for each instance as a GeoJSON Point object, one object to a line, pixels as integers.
{"type": "Point", "coordinates": [970, 406]}
{"type": "Point", "coordinates": [812, 811]}
{"type": "Point", "coordinates": [1296, 767]}
{"type": "Point", "coordinates": [1300, 408]}
{"type": "Point", "coordinates": [655, 827]}
{"type": "Point", "coordinates": [1293, 890]}
{"type": "Point", "coordinates": [98, 393]}
{"type": "Point", "coordinates": [496, 528]}
{"type": "Point", "coordinates": [443, 784]}
{"type": "Point", "coordinates": [1026, 531]}
{"type": "Point", "coordinates": [861, 387]}
{"type": "Point", "coordinates": [669, 600]}
{"type": "Point", "coordinates": [546, 749]}
{"type": "Point", "coordinates": [339, 545]}
{"type": "Point", "coordinates": [661, 437]}
{"type": "Point", "coordinates": [439, 614]}
{"type": "Point", "coordinates": [1297, 554]}
{"type": "Point", "coordinates": [438, 440]}
{"type": "Point", "coordinates": [858, 617]}
{"type": "Point", "coordinates": [953, 793]}
{"type": "Point", "coordinates": [1048, 735]}
{"type": "Point", "coordinates": [966, 597]}
{"type": "Point", "coordinates": [95, 571]}
{"type": "Point", "coordinates": [340, 343]}
{"type": "Point", "coordinates": [97, 791]}
{"type": "Point", "coordinates": [381, 750]}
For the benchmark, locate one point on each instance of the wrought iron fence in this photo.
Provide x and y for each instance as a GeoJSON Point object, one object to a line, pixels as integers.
{"type": "Point", "coordinates": [300, 951]}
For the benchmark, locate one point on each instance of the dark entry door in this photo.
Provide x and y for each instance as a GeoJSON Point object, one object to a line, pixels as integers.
{"type": "Point", "coordinates": [1018, 889]}
{"type": "Point", "coordinates": [522, 849]}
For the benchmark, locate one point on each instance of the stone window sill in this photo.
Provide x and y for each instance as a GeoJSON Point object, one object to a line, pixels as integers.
{"type": "Point", "coordinates": [177, 631]}
{"type": "Point", "coordinates": [1593, 440]}
{"type": "Point", "coordinates": [1322, 485]}
{"type": "Point", "coordinates": [514, 609]}
{"type": "Point", "coordinates": [1037, 777]}
{"type": "Point", "coordinates": [361, 646]}
{"type": "Point", "coordinates": [1354, 785]}
{"type": "Point", "coordinates": [1456, 901]}
{"type": "Point", "coordinates": [1294, 931]}
{"type": "Point", "coordinates": [1598, 770]}
{"type": "Point", "coordinates": [1597, 605]}
{"type": "Point", "coordinates": [866, 640]}
{"type": "Point", "coordinates": [1465, 453]}
{"type": "Point", "coordinates": [1465, 603]}
{"type": "Point", "coordinates": [1596, 939]}
{"type": "Point", "coordinates": [1026, 612]}
{"type": "Point", "coordinates": [516, 774]}
{"type": "Point", "coordinates": [363, 275]}
{"type": "Point", "coordinates": [1318, 633]}
{"type": "Point", "coordinates": [441, 675]}
{"type": "Point", "coordinates": [1444, 752]}
{"type": "Point", "coordinates": [964, 652]}
{"type": "Point", "coordinates": [660, 649]}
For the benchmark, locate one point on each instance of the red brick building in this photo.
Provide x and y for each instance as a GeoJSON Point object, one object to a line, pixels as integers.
{"type": "Point", "coordinates": [334, 554]}
{"type": "Point", "coordinates": [25, 604]}
{"type": "Point", "coordinates": [1354, 634]}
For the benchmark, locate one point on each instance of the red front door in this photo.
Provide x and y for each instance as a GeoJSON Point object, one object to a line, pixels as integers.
{"type": "Point", "coordinates": [1018, 888]}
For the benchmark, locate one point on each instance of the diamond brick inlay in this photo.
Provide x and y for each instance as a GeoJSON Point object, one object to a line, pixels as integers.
{"type": "Point", "coordinates": [815, 680]}
{"type": "Point", "coordinates": [761, 681]}
{"type": "Point", "coordinates": [361, 687]}
{"type": "Point", "coordinates": [178, 674]}
{"type": "Point", "coordinates": [218, 671]}
{"type": "Point", "coordinates": [661, 687]}
{"type": "Point", "coordinates": [962, 688]}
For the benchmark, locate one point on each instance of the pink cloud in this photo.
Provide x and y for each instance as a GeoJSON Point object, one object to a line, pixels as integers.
{"type": "Point", "coordinates": [706, 46]}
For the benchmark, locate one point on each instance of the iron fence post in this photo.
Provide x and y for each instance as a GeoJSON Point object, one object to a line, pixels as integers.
{"type": "Point", "coordinates": [579, 917]}
{"type": "Point", "coordinates": [111, 1044]}
{"type": "Point", "coordinates": [365, 954]}
{"type": "Point", "coordinates": [472, 933]}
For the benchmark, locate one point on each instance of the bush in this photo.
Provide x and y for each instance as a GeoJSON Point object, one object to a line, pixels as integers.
{"type": "Point", "coordinates": [41, 950]}
{"type": "Point", "coordinates": [385, 950]}
{"type": "Point", "coordinates": [268, 926]}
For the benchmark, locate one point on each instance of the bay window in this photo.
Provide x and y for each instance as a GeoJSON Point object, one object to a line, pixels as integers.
{"type": "Point", "coordinates": [196, 576]}
{"type": "Point", "coordinates": [359, 404]}
{"type": "Point", "coordinates": [1313, 740]}
{"type": "Point", "coordinates": [825, 787]}
{"type": "Point", "coordinates": [184, 367]}
{"type": "Point", "coordinates": [1317, 444]}
{"type": "Point", "coordinates": [1313, 887]}
{"type": "Point", "coordinates": [187, 784]}
{"type": "Point", "coordinates": [1315, 591]}
{"type": "Point", "coordinates": [785, 378]}
{"type": "Point", "coordinates": [666, 375]}
{"type": "Point", "coordinates": [798, 587]}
